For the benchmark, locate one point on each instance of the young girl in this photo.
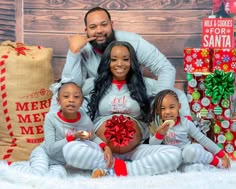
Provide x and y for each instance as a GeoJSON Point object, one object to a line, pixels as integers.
{"type": "Point", "coordinates": [69, 125]}
{"type": "Point", "coordinates": [166, 107]}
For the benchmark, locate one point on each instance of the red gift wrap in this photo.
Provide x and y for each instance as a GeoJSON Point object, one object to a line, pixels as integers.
{"type": "Point", "coordinates": [224, 127]}
{"type": "Point", "coordinates": [224, 59]}
{"type": "Point", "coordinates": [202, 104]}
{"type": "Point", "coordinates": [225, 136]}
{"type": "Point", "coordinates": [197, 60]}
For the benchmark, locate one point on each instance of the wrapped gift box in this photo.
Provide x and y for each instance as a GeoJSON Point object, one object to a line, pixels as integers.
{"type": "Point", "coordinates": [224, 59]}
{"type": "Point", "coordinates": [225, 136]}
{"type": "Point", "coordinates": [202, 104]}
{"type": "Point", "coordinates": [197, 60]}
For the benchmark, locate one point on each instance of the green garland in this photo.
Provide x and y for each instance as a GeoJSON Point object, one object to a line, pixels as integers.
{"type": "Point", "coordinates": [219, 85]}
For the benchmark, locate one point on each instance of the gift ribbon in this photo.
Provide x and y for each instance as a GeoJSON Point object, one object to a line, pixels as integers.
{"type": "Point", "coordinates": [219, 85]}
{"type": "Point", "coordinates": [119, 130]}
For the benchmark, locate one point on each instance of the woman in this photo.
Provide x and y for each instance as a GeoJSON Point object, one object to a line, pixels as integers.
{"type": "Point", "coordinates": [119, 95]}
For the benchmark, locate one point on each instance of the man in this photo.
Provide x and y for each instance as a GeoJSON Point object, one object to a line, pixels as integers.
{"type": "Point", "coordinates": [85, 52]}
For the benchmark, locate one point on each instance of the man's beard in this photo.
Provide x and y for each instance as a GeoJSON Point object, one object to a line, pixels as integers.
{"type": "Point", "coordinates": [102, 46]}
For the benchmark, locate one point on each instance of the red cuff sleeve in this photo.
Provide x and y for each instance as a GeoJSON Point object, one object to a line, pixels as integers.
{"type": "Point", "coordinates": [159, 136]}
{"type": "Point", "coordinates": [189, 118]}
{"type": "Point", "coordinates": [220, 154]}
{"type": "Point", "coordinates": [102, 145]}
{"type": "Point", "coordinates": [70, 138]}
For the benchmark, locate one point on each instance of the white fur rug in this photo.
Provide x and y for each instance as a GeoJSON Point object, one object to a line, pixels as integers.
{"type": "Point", "coordinates": [193, 179]}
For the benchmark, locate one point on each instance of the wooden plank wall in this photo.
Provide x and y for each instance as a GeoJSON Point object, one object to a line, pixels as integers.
{"type": "Point", "coordinates": [7, 20]}
{"type": "Point", "coordinates": [170, 25]}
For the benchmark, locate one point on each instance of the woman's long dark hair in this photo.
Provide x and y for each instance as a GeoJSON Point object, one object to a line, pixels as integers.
{"type": "Point", "coordinates": [134, 81]}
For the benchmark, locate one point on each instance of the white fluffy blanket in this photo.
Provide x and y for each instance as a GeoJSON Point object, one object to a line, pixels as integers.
{"type": "Point", "coordinates": [193, 179]}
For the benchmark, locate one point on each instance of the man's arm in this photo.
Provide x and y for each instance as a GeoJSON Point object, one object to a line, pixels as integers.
{"type": "Point", "coordinates": [150, 57]}
{"type": "Point", "coordinates": [72, 68]}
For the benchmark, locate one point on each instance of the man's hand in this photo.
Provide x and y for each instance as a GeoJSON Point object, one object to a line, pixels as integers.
{"type": "Point", "coordinates": [77, 42]}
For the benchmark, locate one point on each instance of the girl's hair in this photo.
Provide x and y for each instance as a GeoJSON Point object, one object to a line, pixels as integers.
{"type": "Point", "coordinates": [155, 118]}
{"type": "Point", "coordinates": [69, 82]}
{"type": "Point", "coordinates": [134, 80]}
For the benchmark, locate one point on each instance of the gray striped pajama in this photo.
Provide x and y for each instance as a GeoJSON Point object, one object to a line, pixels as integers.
{"type": "Point", "coordinates": [195, 153]}
{"type": "Point", "coordinates": [39, 165]}
{"type": "Point", "coordinates": [145, 159]}
{"type": "Point", "coordinates": [179, 136]}
{"type": "Point", "coordinates": [47, 159]}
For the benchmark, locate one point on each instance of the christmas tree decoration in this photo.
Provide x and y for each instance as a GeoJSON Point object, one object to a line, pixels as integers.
{"type": "Point", "coordinates": [229, 136]}
{"type": "Point", "coordinates": [217, 129]}
{"type": "Point", "coordinates": [221, 138]}
{"type": "Point", "coordinates": [196, 95]}
{"type": "Point", "coordinates": [189, 76]}
{"type": "Point", "coordinates": [225, 124]}
{"type": "Point", "coordinates": [192, 83]}
{"type": "Point", "coordinates": [225, 103]}
{"type": "Point", "coordinates": [218, 110]}
{"type": "Point", "coordinates": [205, 101]}
{"type": "Point", "coordinates": [203, 112]}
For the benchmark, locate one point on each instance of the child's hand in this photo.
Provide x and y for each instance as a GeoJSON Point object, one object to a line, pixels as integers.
{"type": "Point", "coordinates": [83, 135]}
{"type": "Point", "coordinates": [225, 162]}
{"type": "Point", "coordinates": [108, 156]}
{"type": "Point", "coordinates": [162, 130]}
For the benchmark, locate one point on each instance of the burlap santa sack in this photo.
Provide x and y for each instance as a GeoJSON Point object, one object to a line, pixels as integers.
{"type": "Point", "coordinates": [25, 76]}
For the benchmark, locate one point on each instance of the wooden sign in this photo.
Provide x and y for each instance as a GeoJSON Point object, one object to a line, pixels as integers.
{"type": "Point", "coordinates": [218, 33]}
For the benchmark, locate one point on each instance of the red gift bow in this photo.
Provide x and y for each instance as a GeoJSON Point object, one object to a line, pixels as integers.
{"type": "Point", "coordinates": [119, 130]}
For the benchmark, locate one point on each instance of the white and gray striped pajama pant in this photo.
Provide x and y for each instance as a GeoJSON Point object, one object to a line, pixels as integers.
{"type": "Point", "coordinates": [144, 159]}
{"type": "Point", "coordinates": [195, 153]}
{"type": "Point", "coordinates": [39, 165]}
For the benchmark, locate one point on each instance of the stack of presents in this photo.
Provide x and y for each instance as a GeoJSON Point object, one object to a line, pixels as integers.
{"type": "Point", "coordinates": [211, 93]}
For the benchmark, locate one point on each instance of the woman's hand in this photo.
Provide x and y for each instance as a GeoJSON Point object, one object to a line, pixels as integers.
{"type": "Point", "coordinates": [108, 156]}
